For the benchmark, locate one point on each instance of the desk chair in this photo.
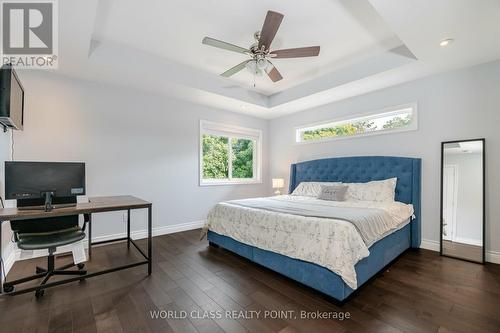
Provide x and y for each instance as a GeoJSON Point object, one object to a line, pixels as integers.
{"type": "Point", "coordinates": [47, 233]}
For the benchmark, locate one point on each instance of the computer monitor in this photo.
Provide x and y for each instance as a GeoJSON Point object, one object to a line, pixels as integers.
{"type": "Point", "coordinates": [44, 183]}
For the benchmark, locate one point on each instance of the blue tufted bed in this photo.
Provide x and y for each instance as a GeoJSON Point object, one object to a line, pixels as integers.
{"type": "Point", "coordinates": [382, 253]}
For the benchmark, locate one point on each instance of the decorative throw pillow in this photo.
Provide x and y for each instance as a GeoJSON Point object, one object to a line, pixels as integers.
{"type": "Point", "coordinates": [377, 190]}
{"type": "Point", "coordinates": [311, 189]}
{"type": "Point", "coordinates": [333, 193]}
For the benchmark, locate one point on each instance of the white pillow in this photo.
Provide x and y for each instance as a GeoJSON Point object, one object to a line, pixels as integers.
{"type": "Point", "coordinates": [377, 190]}
{"type": "Point", "coordinates": [311, 189]}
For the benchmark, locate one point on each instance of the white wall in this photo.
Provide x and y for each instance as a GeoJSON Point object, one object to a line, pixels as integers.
{"type": "Point", "coordinates": [147, 145]}
{"type": "Point", "coordinates": [462, 104]}
{"type": "Point", "coordinates": [469, 223]}
{"type": "Point", "coordinates": [132, 142]}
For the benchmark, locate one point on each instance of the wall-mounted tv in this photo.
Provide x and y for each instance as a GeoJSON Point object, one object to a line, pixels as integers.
{"type": "Point", "coordinates": [11, 99]}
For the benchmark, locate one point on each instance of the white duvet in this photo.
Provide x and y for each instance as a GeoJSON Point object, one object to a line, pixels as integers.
{"type": "Point", "coordinates": [329, 242]}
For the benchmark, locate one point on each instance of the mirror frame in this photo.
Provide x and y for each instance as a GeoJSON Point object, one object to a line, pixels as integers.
{"type": "Point", "coordinates": [441, 199]}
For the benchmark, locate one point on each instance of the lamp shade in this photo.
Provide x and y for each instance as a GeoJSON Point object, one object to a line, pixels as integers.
{"type": "Point", "coordinates": [278, 182]}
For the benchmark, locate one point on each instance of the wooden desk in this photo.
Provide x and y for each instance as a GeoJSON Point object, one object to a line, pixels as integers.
{"type": "Point", "coordinates": [95, 205]}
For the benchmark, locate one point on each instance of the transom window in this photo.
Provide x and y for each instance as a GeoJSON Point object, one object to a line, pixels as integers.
{"type": "Point", "coordinates": [229, 154]}
{"type": "Point", "coordinates": [397, 119]}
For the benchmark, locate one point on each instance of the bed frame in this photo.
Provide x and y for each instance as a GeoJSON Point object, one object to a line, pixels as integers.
{"type": "Point", "coordinates": [382, 253]}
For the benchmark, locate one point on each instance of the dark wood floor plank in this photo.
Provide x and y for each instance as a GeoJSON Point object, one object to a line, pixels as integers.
{"type": "Point", "coordinates": [183, 302]}
{"type": "Point", "coordinates": [145, 305]}
{"type": "Point", "coordinates": [474, 318]}
{"type": "Point", "coordinates": [228, 324]}
{"type": "Point", "coordinates": [60, 319]}
{"type": "Point", "coordinates": [83, 316]}
{"type": "Point", "coordinates": [178, 324]}
{"type": "Point", "coordinates": [131, 319]}
{"type": "Point", "coordinates": [261, 323]}
{"type": "Point", "coordinates": [108, 322]}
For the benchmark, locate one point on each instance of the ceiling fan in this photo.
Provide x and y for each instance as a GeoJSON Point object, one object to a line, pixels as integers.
{"type": "Point", "coordinates": [259, 52]}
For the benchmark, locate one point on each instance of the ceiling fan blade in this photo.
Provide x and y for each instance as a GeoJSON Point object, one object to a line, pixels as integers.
{"type": "Point", "coordinates": [269, 29]}
{"type": "Point", "coordinates": [311, 51]}
{"type": "Point", "coordinates": [274, 74]}
{"type": "Point", "coordinates": [223, 45]}
{"type": "Point", "coordinates": [235, 69]}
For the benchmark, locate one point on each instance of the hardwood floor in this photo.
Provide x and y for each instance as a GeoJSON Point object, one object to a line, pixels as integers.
{"type": "Point", "coordinates": [420, 292]}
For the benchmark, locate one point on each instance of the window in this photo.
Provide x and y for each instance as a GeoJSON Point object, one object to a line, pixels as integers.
{"type": "Point", "coordinates": [229, 154]}
{"type": "Point", "coordinates": [397, 119]}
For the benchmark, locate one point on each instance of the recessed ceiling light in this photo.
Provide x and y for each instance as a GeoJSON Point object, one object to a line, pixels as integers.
{"type": "Point", "coordinates": [446, 42]}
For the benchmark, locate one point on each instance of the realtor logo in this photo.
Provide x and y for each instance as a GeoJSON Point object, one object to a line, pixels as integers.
{"type": "Point", "coordinates": [29, 37]}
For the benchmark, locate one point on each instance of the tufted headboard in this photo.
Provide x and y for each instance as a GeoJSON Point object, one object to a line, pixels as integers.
{"type": "Point", "coordinates": [364, 169]}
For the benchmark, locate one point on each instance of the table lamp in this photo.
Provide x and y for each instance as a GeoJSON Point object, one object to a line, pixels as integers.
{"type": "Point", "coordinates": [278, 183]}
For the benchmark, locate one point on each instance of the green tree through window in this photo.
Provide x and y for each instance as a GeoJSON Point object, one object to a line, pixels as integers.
{"type": "Point", "coordinates": [340, 130]}
{"type": "Point", "coordinates": [216, 162]}
{"type": "Point", "coordinates": [398, 122]}
{"type": "Point", "coordinates": [215, 157]}
{"type": "Point", "coordinates": [242, 158]}
{"type": "Point", "coordinates": [385, 121]}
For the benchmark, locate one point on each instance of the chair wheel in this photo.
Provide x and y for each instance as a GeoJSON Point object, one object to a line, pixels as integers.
{"type": "Point", "coordinates": [39, 293]}
{"type": "Point", "coordinates": [80, 266]}
{"type": "Point", "coordinates": [7, 288]}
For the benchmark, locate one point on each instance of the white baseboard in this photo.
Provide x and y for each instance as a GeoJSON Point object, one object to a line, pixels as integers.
{"type": "Point", "coordinates": [10, 257]}
{"type": "Point", "coordinates": [491, 256]}
{"type": "Point", "coordinates": [13, 254]}
{"type": "Point", "coordinates": [429, 245]}
{"type": "Point", "coordinates": [140, 234]}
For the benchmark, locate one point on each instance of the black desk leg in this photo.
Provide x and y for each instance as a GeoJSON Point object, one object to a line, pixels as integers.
{"type": "Point", "coordinates": [90, 236]}
{"type": "Point", "coordinates": [2, 264]}
{"type": "Point", "coordinates": [128, 228]}
{"type": "Point", "coordinates": [150, 239]}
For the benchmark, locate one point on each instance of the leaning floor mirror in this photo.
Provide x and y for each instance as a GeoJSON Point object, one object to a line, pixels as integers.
{"type": "Point", "coordinates": [462, 199]}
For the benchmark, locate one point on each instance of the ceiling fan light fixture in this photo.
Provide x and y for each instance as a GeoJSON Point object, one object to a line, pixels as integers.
{"type": "Point", "coordinates": [262, 64]}
{"type": "Point", "coordinates": [253, 67]}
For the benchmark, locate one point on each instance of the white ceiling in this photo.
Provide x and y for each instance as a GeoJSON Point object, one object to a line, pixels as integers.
{"type": "Point", "coordinates": [174, 29]}
{"type": "Point", "coordinates": [366, 45]}
{"type": "Point", "coordinates": [465, 147]}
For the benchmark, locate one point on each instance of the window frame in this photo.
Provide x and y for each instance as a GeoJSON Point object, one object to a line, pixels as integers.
{"type": "Point", "coordinates": [231, 131]}
{"type": "Point", "coordinates": [413, 126]}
